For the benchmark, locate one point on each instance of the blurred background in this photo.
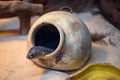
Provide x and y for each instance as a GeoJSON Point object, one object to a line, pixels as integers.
{"type": "Point", "coordinates": [12, 22]}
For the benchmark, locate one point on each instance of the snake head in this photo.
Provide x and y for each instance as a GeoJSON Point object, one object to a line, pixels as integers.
{"type": "Point", "coordinates": [38, 51]}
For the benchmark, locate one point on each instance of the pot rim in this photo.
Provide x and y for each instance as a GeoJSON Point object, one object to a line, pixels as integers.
{"type": "Point", "coordinates": [61, 41]}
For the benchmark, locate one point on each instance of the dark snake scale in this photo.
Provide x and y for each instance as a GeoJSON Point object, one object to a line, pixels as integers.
{"type": "Point", "coordinates": [38, 51]}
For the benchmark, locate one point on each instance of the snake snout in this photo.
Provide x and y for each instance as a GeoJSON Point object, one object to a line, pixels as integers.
{"type": "Point", "coordinates": [30, 56]}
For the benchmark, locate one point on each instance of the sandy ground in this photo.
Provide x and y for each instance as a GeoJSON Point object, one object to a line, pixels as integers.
{"type": "Point", "coordinates": [15, 66]}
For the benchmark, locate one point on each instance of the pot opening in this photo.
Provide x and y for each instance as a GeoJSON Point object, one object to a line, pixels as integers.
{"type": "Point", "coordinates": [47, 35]}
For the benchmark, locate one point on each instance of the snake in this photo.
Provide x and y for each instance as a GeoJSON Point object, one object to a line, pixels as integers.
{"type": "Point", "coordinates": [37, 51]}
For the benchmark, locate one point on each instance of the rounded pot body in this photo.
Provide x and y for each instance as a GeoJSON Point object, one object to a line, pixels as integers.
{"type": "Point", "coordinates": [70, 38]}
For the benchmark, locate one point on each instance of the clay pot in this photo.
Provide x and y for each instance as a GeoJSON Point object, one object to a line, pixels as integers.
{"type": "Point", "coordinates": [66, 35]}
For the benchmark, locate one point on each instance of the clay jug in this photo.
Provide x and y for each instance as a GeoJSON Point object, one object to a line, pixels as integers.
{"type": "Point", "coordinates": [66, 35]}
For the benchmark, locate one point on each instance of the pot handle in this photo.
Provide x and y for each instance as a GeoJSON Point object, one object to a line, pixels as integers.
{"type": "Point", "coordinates": [66, 8]}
